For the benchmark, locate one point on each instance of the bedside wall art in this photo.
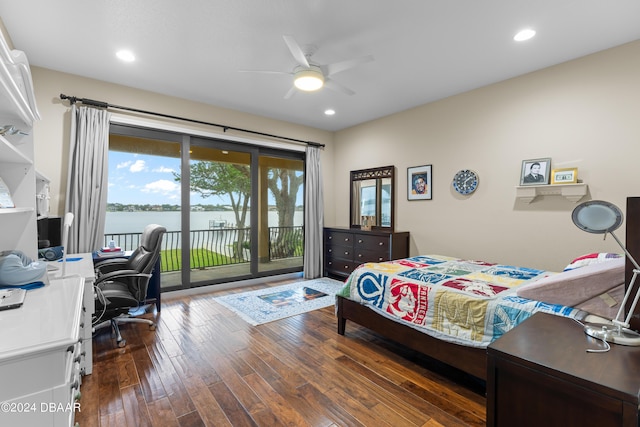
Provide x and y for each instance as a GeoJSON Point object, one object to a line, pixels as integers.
{"type": "Point", "coordinates": [535, 171]}
{"type": "Point", "coordinates": [564, 176]}
{"type": "Point", "coordinates": [419, 183]}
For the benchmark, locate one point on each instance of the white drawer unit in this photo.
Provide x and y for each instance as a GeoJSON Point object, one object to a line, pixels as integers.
{"type": "Point", "coordinates": [41, 355]}
{"type": "Point", "coordinates": [82, 265]}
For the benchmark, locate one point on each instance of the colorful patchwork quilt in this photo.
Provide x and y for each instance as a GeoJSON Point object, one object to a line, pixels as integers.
{"type": "Point", "coordinates": [466, 302]}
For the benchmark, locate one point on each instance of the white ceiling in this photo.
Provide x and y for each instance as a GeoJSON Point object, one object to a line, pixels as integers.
{"type": "Point", "coordinates": [424, 49]}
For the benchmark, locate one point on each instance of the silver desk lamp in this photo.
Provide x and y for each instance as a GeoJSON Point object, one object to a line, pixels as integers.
{"type": "Point", "coordinates": [599, 217]}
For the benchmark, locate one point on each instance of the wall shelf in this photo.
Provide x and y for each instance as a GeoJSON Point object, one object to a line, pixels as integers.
{"type": "Point", "coordinates": [17, 108]}
{"type": "Point", "coordinates": [571, 192]}
{"type": "Point", "coordinates": [8, 211]}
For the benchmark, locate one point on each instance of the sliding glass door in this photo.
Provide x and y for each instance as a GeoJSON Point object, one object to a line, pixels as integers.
{"type": "Point", "coordinates": [220, 202]}
{"type": "Point", "coordinates": [232, 211]}
{"type": "Point", "coordinates": [280, 212]}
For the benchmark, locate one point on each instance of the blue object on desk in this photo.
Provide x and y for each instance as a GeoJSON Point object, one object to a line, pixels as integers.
{"type": "Point", "coordinates": [27, 286]}
{"type": "Point", "coordinates": [71, 259]}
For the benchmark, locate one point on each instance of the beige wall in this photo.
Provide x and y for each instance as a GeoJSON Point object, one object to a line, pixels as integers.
{"type": "Point", "coordinates": [584, 114]}
{"type": "Point", "coordinates": [51, 134]}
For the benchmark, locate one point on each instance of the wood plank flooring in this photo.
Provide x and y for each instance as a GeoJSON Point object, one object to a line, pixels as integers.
{"type": "Point", "coordinates": [204, 366]}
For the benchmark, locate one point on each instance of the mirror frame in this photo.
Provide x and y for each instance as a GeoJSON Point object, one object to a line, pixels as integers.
{"type": "Point", "coordinates": [378, 174]}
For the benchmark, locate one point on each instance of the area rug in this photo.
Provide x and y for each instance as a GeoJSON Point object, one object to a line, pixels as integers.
{"type": "Point", "coordinates": [277, 302]}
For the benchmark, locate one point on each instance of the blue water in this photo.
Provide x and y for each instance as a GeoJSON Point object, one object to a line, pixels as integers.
{"type": "Point", "coordinates": [134, 222]}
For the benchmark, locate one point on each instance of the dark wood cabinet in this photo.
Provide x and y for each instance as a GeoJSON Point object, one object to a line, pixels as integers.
{"type": "Point", "coordinates": [539, 374]}
{"type": "Point", "coordinates": [347, 248]}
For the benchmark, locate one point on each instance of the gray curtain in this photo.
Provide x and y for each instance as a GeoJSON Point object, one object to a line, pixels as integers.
{"type": "Point", "coordinates": [87, 182]}
{"type": "Point", "coordinates": [313, 214]}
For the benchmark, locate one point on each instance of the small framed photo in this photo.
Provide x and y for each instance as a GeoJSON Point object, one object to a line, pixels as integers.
{"type": "Point", "coordinates": [535, 171]}
{"type": "Point", "coordinates": [419, 183]}
{"type": "Point", "coordinates": [564, 176]}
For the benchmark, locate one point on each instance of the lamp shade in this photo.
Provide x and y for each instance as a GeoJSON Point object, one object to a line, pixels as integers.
{"type": "Point", "coordinates": [308, 79]}
{"type": "Point", "coordinates": [597, 216]}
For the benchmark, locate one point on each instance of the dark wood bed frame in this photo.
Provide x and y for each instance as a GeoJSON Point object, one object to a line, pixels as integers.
{"type": "Point", "coordinates": [468, 359]}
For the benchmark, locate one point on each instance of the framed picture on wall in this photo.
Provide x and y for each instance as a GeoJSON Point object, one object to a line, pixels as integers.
{"type": "Point", "coordinates": [564, 176]}
{"type": "Point", "coordinates": [419, 183]}
{"type": "Point", "coordinates": [535, 171]}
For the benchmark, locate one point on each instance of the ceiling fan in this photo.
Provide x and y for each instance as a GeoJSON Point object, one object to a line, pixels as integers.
{"type": "Point", "coordinates": [308, 76]}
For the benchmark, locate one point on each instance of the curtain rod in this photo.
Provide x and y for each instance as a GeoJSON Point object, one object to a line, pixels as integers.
{"type": "Point", "coordinates": [101, 104]}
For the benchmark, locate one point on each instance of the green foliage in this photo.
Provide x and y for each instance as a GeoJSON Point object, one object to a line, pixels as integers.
{"type": "Point", "coordinates": [200, 258]}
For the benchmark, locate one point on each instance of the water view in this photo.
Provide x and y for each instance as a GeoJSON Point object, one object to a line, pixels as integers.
{"type": "Point", "coordinates": [134, 222]}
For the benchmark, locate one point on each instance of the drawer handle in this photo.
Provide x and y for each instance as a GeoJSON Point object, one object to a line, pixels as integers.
{"type": "Point", "coordinates": [359, 255]}
{"type": "Point", "coordinates": [330, 237]}
{"type": "Point", "coordinates": [381, 244]}
{"type": "Point", "coordinates": [380, 259]}
{"type": "Point", "coordinates": [346, 252]}
{"type": "Point", "coordinates": [359, 240]}
{"type": "Point", "coordinates": [346, 267]}
{"type": "Point", "coordinates": [330, 250]}
{"type": "Point", "coordinates": [329, 263]}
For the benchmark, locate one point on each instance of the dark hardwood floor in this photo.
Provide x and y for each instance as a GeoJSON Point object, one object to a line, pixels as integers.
{"type": "Point", "coordinates": [204, 366]}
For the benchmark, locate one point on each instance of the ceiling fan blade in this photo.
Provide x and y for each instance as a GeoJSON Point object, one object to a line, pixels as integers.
{"type": "Point", "coordinates": [290, 93]}
{"type": "Point", "coordinates": [296, 51]}
{"type": "Point", "coordinates": [265, 72]}
{"type": "Point", "coordinates": [333, 85]}
{"type": "Point", "coordinates": [337, 67]}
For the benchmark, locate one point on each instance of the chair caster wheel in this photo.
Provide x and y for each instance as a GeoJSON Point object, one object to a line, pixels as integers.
{"type": "Point", "coordinates": [152, 327]}
{"type": "Point", "coordinates": [122, 343]}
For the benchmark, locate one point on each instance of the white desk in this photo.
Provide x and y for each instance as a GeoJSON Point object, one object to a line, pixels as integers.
{"type": "Point", "coordinates": [40, 355]}
{"type": "Point", "coordinates": [83, 268]}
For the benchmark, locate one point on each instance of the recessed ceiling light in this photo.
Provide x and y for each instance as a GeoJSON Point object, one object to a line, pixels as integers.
{"type": "Point", "coordinates": [329, 112]}
{"type": "Point", "coordinates": [126, 55]}
{"type": "Point", "coordinates": [525, 34]}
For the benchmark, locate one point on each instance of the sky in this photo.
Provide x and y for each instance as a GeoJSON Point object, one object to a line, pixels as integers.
{"type": "Point", "coordinates": [143, 179]}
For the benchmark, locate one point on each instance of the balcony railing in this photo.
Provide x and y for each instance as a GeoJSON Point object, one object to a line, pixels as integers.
{"type": "Point", "coordinates": [216, 247]}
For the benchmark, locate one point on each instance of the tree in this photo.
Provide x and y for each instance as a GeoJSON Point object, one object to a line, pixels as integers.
{"type": "Point", "coordinates": [224, 179]}
{"type": "Point", "coordinates": [284, 185]}
{"type": "Point", "coordinates": [234, 180]}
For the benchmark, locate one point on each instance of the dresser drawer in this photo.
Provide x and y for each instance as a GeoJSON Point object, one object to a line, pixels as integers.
{"type": "Point", "coordinates": [370, 255]}
{"type": "Point", "coordinates": [338, 238]}
{"type": "Point", "coordinates": [339, 252]}
{"type": "Point", "coordinates": [380, 243]}
{"type": "Point", "coordinates": [339, 266]}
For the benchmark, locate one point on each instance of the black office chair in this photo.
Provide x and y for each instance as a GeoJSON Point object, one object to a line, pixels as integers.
{"type": "Point", "coordinates": [121, 283]}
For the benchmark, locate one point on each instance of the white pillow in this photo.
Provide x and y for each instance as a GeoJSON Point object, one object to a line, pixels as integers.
{"type": "Point", "coordinates": [588, 259]}
{"type": "Point", "coordinates": [574, 287]}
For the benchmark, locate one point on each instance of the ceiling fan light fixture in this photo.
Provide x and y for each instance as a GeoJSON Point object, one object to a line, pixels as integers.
{"type": "Point", "coordinates": [308, 79]}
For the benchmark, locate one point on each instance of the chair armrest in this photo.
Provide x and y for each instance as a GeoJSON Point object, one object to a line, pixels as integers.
{"type": "Point", "coordinates": [119, 274]}
{"type": "Point", "coordinates": [111, 264]}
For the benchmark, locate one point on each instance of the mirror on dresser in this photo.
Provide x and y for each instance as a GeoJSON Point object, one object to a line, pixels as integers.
{"type": "Point", "coordinates": [372, 198]}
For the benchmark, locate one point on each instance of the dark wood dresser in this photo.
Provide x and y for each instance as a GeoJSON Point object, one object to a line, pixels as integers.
{"type": "Point", "coordinates": [347, 248]}
{"type": "Point", "coordinates": [539, 374]}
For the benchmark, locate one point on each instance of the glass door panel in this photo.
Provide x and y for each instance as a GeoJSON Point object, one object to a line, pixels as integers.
{"type": "Point", "coordinates": [143, 190]}
{"type": "Point", "coordinates": [220, 202]}
{"type": "Point", "coordinates": [281, 214]}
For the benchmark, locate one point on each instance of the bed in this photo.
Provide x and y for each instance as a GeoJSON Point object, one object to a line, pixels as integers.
{"type": "Point", "coordinates": [451, 309]}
